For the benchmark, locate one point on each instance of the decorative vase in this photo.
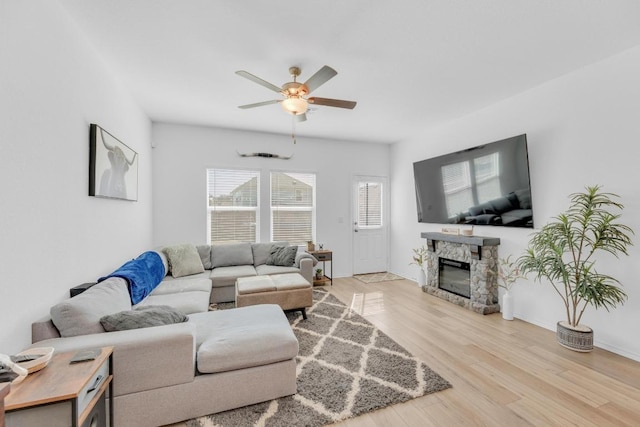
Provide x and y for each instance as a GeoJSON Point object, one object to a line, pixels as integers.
{"type": "Point", "coordinates": [422, 278]}
{"type": "Point", "coordinates": [576, 338]}
{"type": "Point", "coordinates": [507, 306]}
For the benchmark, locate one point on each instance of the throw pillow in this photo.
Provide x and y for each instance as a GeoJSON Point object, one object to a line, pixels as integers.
{"type": "Point", "coordinates": [261, 251]}
{"type": "Point", "coordinates": [142, 317]}
{"type": "Point", "coordinates": [282, 256]}
{"type": "Point", "coordinates": [184, 260]}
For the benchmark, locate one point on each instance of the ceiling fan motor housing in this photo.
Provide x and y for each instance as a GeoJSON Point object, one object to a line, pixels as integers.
{"type": "Point", "coordinates": [294, 89]}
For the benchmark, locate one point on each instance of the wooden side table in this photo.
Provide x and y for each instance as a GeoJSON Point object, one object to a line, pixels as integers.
{"type": "Point", "coordinates": [64, 393]}
{"type": "Point", "coordinates": [5, 388]}
{"type": "Point", "coordinates": [324, 256]}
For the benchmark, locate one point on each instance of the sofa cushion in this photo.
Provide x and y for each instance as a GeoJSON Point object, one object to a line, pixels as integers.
{"type": "Point", "coordinates": [284, 256]}
{"type": "Point", "coordinates": [226, 276]}
{"type": "Point", "coordinates": [183, 260]}
{"type": "Point", "coordinates": [266, 269]}
{"type": "Point", "coordinates": [142, 317]}
{"type": "Point", "coordinates": [195, 282]}
{"type": "Point", "coordinates": [186, 302]}
{"type": "Point", "coordinates": [205, 256]}
{"type": "Point", "coordinates": [81, 314]}
{"type": "Point", "coordinates": [224, 255]}
{"type": "Point", "coordinates": [524, 197]}
{"type": "Point", "coordinates": [242, 338]}
{"type": "Point", "coordinates": [261, 251]}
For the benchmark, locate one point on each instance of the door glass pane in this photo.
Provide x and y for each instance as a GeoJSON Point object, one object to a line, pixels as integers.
{"type": "Point", "coordinates": [369, 204]}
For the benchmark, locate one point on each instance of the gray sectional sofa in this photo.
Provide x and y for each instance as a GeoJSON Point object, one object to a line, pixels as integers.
{"type": "Point", "coordinates": [214, 361]}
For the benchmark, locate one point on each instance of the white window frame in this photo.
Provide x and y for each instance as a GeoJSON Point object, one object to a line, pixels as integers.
{"type": "Point", "coordinates": [311, 209]}
{"type": "Point", "coordinates": [234, 208]}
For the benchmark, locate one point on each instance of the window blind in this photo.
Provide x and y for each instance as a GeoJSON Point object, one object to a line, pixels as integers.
{"type": "Point", "coordinates": [292, 207]}
{"type": "Point", "coordinates": [369, 204]}
{"type": "Point", "coordinates": [233, 214]}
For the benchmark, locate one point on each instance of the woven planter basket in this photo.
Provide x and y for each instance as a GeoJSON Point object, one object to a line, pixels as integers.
{"type": "Point", "coordinates": [578, 338]}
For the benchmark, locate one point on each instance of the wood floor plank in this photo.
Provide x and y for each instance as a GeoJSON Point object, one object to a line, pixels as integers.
{"type": "Point", "coordinates": [502, 372]}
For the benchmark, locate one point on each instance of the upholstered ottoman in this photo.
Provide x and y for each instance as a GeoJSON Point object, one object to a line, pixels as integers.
{"type": "Point", "coordinates": [290, 291]}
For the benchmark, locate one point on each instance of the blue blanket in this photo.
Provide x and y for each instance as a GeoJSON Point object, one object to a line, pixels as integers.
{"type": "Point", "coordinates": [143, 274]}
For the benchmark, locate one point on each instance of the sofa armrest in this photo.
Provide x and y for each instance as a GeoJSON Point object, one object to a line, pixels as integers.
{"type": "Point", "coordinates": [306, 269]}
{"type": "Point", "coordinates": [143, 359]}
{"type": "Point", "coordinates": [43, 329]}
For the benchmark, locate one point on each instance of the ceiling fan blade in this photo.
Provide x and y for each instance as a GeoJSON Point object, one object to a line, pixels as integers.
{"type": "Point", "coordinates": [259, 104]}
{"type": "Point", "coordinates": [258, 80]}
{"type": "Point", "coordinates": [322, 76]}
{"type": "Point", "coordinates": [333, 102]}
{"type": "Point", "coordinates": [300, 117]}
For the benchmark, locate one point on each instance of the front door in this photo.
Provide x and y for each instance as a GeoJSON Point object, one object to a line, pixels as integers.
{"type": "Point", "coordinates": [369, 222]}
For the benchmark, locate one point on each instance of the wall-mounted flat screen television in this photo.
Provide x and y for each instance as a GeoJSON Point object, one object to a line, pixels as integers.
{"type": "Point", "coordinates": [484, 185]}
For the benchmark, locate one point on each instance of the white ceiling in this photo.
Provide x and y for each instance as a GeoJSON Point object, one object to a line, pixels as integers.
{"type": "Point", "coordinates": [409, 64]}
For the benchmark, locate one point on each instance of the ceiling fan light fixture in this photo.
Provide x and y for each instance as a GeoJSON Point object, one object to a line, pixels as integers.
{"type": "Point", "coordinates": [295, 105]}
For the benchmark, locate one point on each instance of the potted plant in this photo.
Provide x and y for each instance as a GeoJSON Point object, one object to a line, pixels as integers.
{"type": "Point", "coordinates": [419, 258]}
{"type": "Point", "coordinates": [507, 272]}
{"type": "Point", "coordinates": [318, 274]}
{"type": "Point", "coordinates": [564, 252]}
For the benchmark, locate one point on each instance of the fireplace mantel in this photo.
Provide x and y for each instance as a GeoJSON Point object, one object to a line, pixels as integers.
{"type": "Point", "coordinates": [467, 240]}
{"type": "Point", "coordinates": [481, 253]}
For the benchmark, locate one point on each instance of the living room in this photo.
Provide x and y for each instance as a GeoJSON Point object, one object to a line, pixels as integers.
{"type": "Point", "coordinates": [581, 127]}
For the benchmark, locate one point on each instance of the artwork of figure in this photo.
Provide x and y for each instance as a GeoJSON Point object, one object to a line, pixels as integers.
{"type": "Point", "coordinates": [112, 183]}
{"type": "Point", "coordinates": [114, 171]}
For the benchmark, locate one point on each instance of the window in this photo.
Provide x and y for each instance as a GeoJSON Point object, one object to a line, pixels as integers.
{"type": "Point", "coordinates": [470, 183]}
{"type": "Point", "coordinates": [292, 207]}
{"type": "Point", "coordinates": [232, 210]}
{"type": "Point", "coordinates": [369, 204]}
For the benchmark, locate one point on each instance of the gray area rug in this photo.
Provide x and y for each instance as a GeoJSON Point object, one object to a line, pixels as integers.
{"type": "Point", "coordinates": [346, 367]}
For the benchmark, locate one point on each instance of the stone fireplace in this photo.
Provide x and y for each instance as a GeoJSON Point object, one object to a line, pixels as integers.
{"type": "Point", "coordinates": [463, 264]}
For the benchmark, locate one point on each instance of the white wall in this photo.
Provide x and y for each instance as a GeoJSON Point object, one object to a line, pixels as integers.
{"type": "Point", "coordinates": [53, 236]}
{"type": "Point", "coordinates": [183, 153]}
{"type": "Point", "coordinates": [582, 129]}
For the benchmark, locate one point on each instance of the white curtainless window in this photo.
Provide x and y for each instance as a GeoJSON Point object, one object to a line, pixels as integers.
{"type": "Point", "coordinates": [293, 207]}
{"type": "Point", "coordinates": [233, 213]}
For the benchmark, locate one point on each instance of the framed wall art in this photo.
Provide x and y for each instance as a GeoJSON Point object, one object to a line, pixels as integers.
{"type": "Point", "coordinates": [113, 166]}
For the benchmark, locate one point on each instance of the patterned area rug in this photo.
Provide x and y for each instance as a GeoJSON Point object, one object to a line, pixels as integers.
{"type": "Point", "coordinates": [346, 367]}
{"type": "Point", "coordinates": [377, 277]}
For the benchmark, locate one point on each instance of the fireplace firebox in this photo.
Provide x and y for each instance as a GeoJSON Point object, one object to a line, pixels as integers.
{"type": "Point", "coordinates": [455, 277]}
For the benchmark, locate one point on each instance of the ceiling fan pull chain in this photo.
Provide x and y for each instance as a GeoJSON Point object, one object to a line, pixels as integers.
{"type": "Point", "coordinates": [293, 130]}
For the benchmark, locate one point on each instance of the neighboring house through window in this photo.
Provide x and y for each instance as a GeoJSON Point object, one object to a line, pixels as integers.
{"type": "Point", "coordinates": [232, 211]}
{"type": "Point", "coordinates": [292, 207]}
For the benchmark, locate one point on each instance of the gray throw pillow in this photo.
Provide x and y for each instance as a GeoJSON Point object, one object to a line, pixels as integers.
{"type": "Point", "coordinates": [142, 317]}
{"type": "Point", "coordinates": [184, 260]}
{"type": "Point", "coordinates": [282, 256]}
{"type": "Point", "coordinates": [261, 251]}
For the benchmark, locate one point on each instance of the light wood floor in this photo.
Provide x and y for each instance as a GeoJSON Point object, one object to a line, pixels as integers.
{"type": "Point", "coordinates": [503, 373]}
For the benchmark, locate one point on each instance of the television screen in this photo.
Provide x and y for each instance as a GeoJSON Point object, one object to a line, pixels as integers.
{"type": "Point", "coordinates": [484, 185]}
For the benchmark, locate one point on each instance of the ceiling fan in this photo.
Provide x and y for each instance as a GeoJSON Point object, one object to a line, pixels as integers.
{"type": "Point", "coordinates": [296, 101]}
